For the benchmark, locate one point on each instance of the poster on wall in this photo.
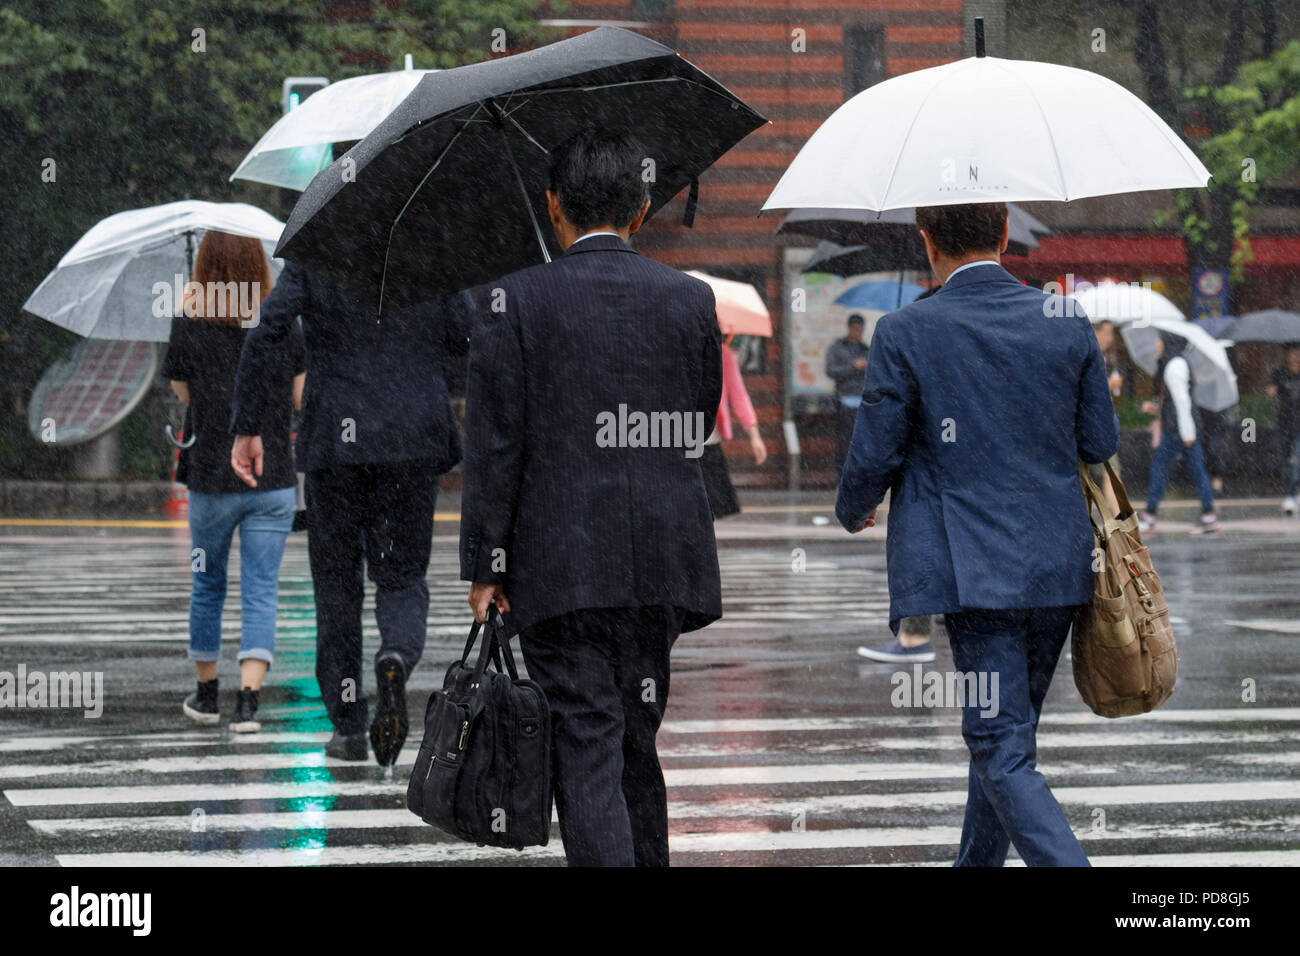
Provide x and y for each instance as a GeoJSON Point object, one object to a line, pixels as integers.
{"type": "Point", "coordinates": [813, 321]}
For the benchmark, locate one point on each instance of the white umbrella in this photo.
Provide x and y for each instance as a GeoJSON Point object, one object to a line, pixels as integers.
{"type": "Point", "coordinates": [110, 285]}
{"type": "Point", "coordinates": [296, 148]}
{"type": "Point", "coordinates": [985, 129]}
{"type": "Point", "coordinates": [1214, 383]}
{"type": "Point", "coordinates": [1123, 302]}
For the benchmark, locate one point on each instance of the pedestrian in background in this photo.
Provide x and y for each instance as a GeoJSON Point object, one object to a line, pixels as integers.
{"type": "Point", "coordinates": [987, 523]}
{"type": "Point", "coordinates": [1285, 389]}
{"type": "Point", "coordinates": [713, 462]}
{"type": "Point", "coordinates": [1105, 333]}
{"type": "Point", "coordinates": [202, 358]}
{"type": "Point", "coordinates": [913, 644]}
{"type": "Point", "coordinates": [846, 366]}
{"type": "Point", "coordinates": [376, 432]}
{"type": "Point", "coordinates": [1176, 435]}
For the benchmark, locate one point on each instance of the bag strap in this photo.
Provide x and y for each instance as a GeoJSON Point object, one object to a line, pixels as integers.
{"type": "Point", "coordinates": [503, 642]}
{"type": "Point", "coordinates": [495, 648]}
{"type": "Point", "coordinates": [1095, 497]}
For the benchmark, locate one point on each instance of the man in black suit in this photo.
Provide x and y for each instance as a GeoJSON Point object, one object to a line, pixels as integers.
{"type": "Point", "coordinates": [376, 432]}
{"type": "Point", "coordinates": [593, 384]}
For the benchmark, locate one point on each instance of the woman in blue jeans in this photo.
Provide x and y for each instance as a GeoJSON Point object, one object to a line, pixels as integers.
{"type": "Point", "coordinates": [230, 274]}
{"type": "Point", "coordinates": [1178, 438]}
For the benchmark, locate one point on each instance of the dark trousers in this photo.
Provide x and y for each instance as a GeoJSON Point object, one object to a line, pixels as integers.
{"type": "Point", "coordinates": [845, 419]}
{"type": "Point", "coordinates": [1007, 799]}
{"type": "Point", "coordinates": [605, 675]}
{"type": "Point", "coordinates": [378, 517]}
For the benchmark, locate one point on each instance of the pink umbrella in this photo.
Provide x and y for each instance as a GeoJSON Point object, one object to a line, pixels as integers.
{"type": "Point", "coordinates": [740, 308]}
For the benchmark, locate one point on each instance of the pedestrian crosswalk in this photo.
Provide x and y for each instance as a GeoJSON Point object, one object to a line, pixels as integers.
{"type": "Point", "coordinates": [781, 747]}
{"type": "Point", "coordinates": [850, 790]}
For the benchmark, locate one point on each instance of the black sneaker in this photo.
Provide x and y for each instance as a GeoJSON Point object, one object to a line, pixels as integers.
{"type": "Point", "coordinates": [201, 706]}
{"type": "Point", "coordinates": [244, 720]}
{"type": "Point", "coordinates": [389, 728]}
{"type": "Point", "coordinates": [346, 746]}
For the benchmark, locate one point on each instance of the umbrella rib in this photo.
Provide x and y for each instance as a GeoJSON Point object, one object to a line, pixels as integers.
{"type": "Point", "coordinates": [661, 79]}
{"type": "Point", "coordinates": [1056, 154]}
{"type": "Point", "coordinates": [903, 145]}
{"type": "Point", "coordinates": [388, 248]}
{"type": "Point", "coordinates": [527, 135]}
{"type": "Point", "coordinates": [523, 189]}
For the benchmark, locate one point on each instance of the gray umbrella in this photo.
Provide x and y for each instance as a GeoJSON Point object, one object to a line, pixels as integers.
{"type": "Point", "coordinates": [1268, 325]}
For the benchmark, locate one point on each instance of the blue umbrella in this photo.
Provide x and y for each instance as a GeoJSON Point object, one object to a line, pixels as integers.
{"type": "Point", "coordinates": [883, 295]}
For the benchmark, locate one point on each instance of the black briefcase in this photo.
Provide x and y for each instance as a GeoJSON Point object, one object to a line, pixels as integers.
{"type": "Point", "coordinates": [483, 772]}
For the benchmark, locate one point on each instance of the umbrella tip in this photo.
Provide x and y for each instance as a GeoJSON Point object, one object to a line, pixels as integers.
{"type": "Point", "coordinates": [409, 63]}
{"type": "Point", "coordinates": [979, 36]}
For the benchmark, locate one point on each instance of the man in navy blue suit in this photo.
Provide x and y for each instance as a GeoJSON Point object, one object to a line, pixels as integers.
{"type": "Point", "coordinates": [593, 384]}
{"type": "Point", "coordinates": [978, 403]}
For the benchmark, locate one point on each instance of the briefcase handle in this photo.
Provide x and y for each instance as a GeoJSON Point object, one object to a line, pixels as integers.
{"type": "Point", "coordinates": [495, 648]}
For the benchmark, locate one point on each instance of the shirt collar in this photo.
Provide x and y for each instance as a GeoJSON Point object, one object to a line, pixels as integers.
{"type": "Point", "coordinates": [972, 265]}
{"type": "Point", "coordinates": [603, 232]}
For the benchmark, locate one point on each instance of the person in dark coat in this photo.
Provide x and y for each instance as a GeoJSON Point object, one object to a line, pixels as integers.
{"type": "Point", "coordinates": [846, 366]}
{"type": "Point", "coordinates": [377, 430]}
{"type": "Point", "coordinates": [979, 403]}
{"type": "Point", "coordinates": [594, 381]}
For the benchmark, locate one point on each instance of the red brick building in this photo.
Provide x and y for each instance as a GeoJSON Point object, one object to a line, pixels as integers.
{"type": "Point", "coordinates": [794, 62]}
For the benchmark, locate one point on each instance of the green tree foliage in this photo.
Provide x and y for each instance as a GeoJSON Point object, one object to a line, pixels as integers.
{"type": "Point", "coordinates": [1259, 143]}
{"type": "Point", "coordinates": [136, 108]}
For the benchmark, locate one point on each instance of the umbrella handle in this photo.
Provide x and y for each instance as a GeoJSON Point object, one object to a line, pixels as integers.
{"type": "Point", "coordinates": [171, 437]}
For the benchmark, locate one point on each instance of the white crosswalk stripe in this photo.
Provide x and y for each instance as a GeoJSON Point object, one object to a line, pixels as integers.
{"type": "Point", "coordinates": [285, 804]}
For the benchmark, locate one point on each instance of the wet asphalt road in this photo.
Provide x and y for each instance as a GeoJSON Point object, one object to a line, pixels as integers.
{"type": "Point", "coordinates": [781, 746]}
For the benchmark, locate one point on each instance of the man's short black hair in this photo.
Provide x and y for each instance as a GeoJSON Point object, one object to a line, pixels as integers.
{"type": "Point", "coordinates": [959, 230]}
{"type": "Point", "coordinates": [597, 175]}
{"type": "Point", "coordinates": [856, 319]}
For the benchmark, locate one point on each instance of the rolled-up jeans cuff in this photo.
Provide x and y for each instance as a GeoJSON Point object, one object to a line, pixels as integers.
{"type": "Point", "coordinates": [203, 657]}
{"type": "Point", "coordinates": [256, 654]}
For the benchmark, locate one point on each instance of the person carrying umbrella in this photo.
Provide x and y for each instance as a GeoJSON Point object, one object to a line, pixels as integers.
{"type": "Point", "coordinates": [202, 357]}
{"type": "Point", "coordinates": [1178, 436]}
{"type": "Point", "coordinates": [1285, 389]}
{"type": "Point", "coordinates": [377, 430]}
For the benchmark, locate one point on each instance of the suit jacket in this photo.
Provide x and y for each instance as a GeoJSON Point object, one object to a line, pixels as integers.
{"type": "Point", "coordinates": [374, 389]}
{"type": "Point", "coordinates": [977, 405]}
{"type": "Point", "coordinates": [562, 520]}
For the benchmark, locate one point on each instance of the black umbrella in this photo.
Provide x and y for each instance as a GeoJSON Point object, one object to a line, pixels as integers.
{"type": "Point", "coordinates": [1269, 325]}
{"type": "Point", "coordinates": [449, 188]}
{"type": "Point", "coordinates": [858, 240]}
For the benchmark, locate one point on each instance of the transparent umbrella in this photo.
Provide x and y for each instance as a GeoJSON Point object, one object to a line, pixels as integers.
{"type": "Point", "coordinates": [1214, 383]}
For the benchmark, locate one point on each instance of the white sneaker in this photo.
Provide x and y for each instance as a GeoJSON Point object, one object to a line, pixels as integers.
{"type": "Point", "coordinates": [1288, 505]}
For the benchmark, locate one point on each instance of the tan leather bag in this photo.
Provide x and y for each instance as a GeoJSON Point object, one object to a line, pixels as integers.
{"type": "Point", "coordinates": [1122, 644]}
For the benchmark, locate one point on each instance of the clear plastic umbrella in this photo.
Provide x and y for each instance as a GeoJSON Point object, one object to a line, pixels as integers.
{"type": "Point", "coordinates": [123, 279]}
{"type": "Point", "coordinates": [297, 147]}
{"type": "Point", "coordinates": [1214, 383]}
